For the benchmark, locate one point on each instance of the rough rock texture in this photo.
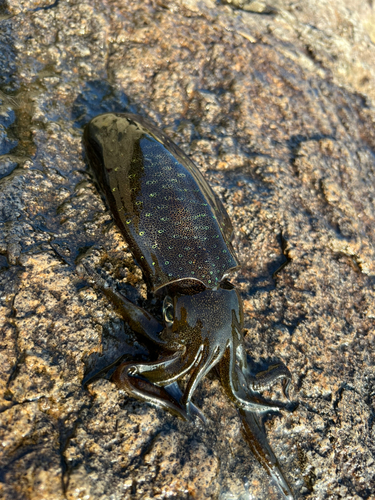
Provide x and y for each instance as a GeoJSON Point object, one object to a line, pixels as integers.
{"type": "Point", "coordinates": [275, 102]}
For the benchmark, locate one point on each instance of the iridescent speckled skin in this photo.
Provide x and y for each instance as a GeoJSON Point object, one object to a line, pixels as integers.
{"type": "Point", "coordinates": [174, 224]}
{"type": "Point", "coordinates": [180, 234]}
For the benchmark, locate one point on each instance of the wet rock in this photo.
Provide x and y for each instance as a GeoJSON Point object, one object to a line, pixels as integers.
{"type": "Point", "coordinates": [275, 102]}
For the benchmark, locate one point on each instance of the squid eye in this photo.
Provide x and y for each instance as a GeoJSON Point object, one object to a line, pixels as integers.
{"type": "Point", "coordinates": [168, 311]}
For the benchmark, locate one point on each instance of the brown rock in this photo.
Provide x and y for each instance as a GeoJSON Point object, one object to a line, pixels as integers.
{"type": "Point", "coordinates": [275, 102]}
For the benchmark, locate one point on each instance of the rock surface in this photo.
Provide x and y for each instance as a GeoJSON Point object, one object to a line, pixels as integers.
{"type": "Point", "coordinates": [275, 103]}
